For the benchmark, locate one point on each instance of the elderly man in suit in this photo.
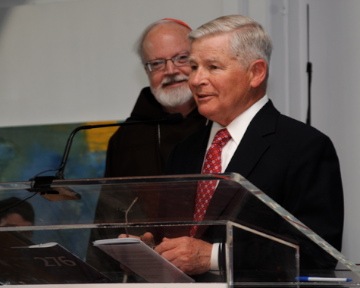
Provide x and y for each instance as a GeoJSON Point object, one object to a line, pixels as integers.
{"type": "Point", "coordinates": [293, 163]}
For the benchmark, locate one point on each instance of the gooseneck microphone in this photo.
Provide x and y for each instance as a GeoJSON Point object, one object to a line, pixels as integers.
{"type": "Point", "coordinates": [43, 184]}
{"type": "Point", "coordinates": [171, 119]}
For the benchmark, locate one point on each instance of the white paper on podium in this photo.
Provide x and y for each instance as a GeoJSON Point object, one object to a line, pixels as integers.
{"type": "Point", "coordinates": [142, 260]}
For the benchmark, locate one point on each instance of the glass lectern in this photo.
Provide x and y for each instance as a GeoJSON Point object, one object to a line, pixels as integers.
{"type": "Point", "coordinates": [73, 238]}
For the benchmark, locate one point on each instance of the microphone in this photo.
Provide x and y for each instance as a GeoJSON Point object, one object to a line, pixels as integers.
{"type": "Point", "coordinates": [126, 215]}
{"type": "Point", "coordinates": [170, 119]}
{"type": "Point", "coordinates": [42, 184]}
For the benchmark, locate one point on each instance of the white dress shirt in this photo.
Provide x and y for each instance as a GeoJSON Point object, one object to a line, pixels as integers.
{"type": "Point", "coordinates": [237, 129]}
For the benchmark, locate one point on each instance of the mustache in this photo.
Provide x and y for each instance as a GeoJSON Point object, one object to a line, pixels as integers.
{"type": "Point", "coordinates": [168, 80]}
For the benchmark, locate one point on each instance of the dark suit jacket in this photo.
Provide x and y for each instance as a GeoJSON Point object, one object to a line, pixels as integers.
{"type": "Point", "coordinates": [293, 163]}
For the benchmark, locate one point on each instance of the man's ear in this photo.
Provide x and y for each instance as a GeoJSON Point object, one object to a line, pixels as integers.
{"type": "Point", "coordinates": [258, 70]}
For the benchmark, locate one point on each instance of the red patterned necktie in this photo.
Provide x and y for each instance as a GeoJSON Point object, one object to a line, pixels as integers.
{"type": "Point", "coordinates": [212, 164]}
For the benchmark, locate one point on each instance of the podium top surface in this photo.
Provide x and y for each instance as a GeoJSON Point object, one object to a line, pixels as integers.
{"type": "Point", "coordinates": [64, 209]}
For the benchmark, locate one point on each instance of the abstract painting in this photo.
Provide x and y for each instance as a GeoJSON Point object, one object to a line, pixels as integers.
{"type": "Point", "coordinates": [29, 151]}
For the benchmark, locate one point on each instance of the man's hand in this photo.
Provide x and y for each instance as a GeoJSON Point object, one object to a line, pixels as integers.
{"type": "Point", "coordinates": [188, 254]}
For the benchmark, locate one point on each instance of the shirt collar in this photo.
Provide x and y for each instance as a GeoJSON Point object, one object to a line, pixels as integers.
{"type": "Point", "coordinates": [239, 125]}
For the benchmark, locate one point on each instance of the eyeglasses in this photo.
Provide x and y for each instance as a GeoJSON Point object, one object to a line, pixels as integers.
{"type": "Point", "coordinates": [160, 64]}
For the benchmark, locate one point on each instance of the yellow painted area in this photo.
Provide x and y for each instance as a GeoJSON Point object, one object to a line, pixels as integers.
{"type": "Point", "coordinates": [97, 139]}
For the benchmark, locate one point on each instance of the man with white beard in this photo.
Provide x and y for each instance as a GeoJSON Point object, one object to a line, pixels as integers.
{"type": "Point", "coordinates": [142, 150]}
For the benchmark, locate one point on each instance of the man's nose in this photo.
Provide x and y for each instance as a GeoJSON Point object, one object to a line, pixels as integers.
{"type": "Point", "coordinates": [170, 67]}
{"type": "Point", "coordinates": [197, 78]}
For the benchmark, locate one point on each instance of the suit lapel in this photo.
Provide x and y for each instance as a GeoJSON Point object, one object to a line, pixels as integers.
{"type": "Point", "coordinates": [198, 149]}
{"type": "Point", "coordinates": [254, 143]}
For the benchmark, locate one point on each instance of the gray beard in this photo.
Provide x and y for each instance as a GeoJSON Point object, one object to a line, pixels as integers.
{"type": "Point", "coordinates": [175, 97]}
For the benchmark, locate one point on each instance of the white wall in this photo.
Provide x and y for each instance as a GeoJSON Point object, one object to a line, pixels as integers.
{"type": "Point", "coordinates": [69, 61]}
{"type": "Point", "coordinates": [74, 60]}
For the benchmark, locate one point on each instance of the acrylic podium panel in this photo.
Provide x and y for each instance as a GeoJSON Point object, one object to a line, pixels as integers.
{"type": "Point", "coordinates": [261, 243]}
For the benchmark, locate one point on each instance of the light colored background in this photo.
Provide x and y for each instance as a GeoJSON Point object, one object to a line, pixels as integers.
{"type": "Point", "coordinates": [65, 61]}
